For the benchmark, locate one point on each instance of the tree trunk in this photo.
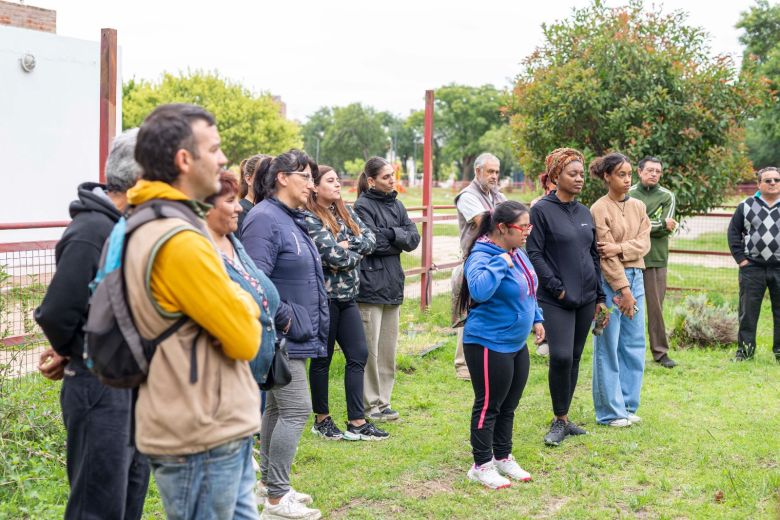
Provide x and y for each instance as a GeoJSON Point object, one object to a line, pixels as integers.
{"type": "Point", "coordinates": [467, 168]}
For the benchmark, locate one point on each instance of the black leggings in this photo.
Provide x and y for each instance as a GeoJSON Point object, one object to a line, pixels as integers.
{"type": "Point", "coordinates": [567, 330]}
{"type": "Point", "coordinates": [498, 380]}
{"type": "Point", "coordinates": [346, 327]}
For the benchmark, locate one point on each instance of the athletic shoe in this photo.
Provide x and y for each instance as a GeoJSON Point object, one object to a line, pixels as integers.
{"type": "Point", "coordinates": [510, 468]}
{"type": "Point", "coordinates": [327, 429]}
{"type": "Point", "coordinates": [364, 432]}
{"type": "Point", "coordinates": [387, 414]}
{"type": "Point", "coordinates": [619, 423]}
{"type": "Point", "coordinates": [573, 429]}
{"type": "Point", "coordinates": [666, 362]}
{"type": "Point", "coordinates": [745, 352]}
{"type": "Point", "coordinates": [289, 508]}
{"type": "Point", "coordinates": [633, 418]}
{"type": "Point", "coordinates": [556, 434]}
{"type": "Point", "coordinates": [262, 494]}
{"type": "Point", "coordinates": [487, 475]}
{"type": "Point", "coordinates": [543, 349]}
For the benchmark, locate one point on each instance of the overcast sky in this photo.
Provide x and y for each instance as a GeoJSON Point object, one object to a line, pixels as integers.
{"type": "Point", "coordinates": [315, 53]}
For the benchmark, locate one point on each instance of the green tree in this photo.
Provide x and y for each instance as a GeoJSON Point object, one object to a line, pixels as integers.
{"type": "Point", "coordinates": [463, 115]}
{"type": "Point", "coordinates": [761, 39]}
{"type": "Point", "coordinates": [347, 132]}
{"type": "Point", "coordinates": [643, 83]}
{"type": "Point", "coordinates": [248, 123]}
{"type": "Point", "coordinates": [501, 142]}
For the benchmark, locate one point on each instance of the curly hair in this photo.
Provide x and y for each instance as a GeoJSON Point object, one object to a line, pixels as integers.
{"type": "Point", "coordinates": [558, 159]}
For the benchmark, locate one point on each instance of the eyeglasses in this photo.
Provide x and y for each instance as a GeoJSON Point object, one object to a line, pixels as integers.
{"type": "Point", "coordinates": [303, 175]}
{"type": "Point", "coordinates": [522, 227]}
{"type": "Point", "coordinates": [773, 180]}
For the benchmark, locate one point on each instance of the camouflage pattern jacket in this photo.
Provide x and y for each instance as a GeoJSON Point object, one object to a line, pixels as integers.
{"type": "Point", "coordinates": [339, 265]}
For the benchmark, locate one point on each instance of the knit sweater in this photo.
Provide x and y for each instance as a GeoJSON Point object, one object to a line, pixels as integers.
{"type": "Point", "coordinates": [626, 224]}
{"type": "Point", "coordinates": [661, 205]}
{"type": "Point", "coordinates": [754, 232]}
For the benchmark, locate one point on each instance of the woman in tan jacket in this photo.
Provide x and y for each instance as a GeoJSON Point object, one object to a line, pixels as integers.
{"type": "Point", "coordinates": [623, 239]}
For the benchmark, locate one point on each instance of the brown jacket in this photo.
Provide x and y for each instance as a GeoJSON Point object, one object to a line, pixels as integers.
{"type": "Point", "coordinates": [627, 226]}
{"type": "Point", "coordinates": [173, 415]}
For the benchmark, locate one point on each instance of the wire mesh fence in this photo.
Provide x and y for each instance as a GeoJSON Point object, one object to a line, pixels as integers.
{"type": "Point", "coordinates": [699, 261]}
{"type": "Point", "coordinates": [25, 271]}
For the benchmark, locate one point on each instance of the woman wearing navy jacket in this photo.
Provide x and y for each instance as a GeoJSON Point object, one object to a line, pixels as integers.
{"type": "Point", "coordinates": [499, 294]}
{"type": "Point", "coordinates": [563, 251]}
{"type": "Point", "coordinates": [276, 239]}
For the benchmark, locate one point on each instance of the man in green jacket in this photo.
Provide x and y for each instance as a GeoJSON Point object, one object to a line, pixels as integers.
{"type": "Point", "coordinates": [660, 203]}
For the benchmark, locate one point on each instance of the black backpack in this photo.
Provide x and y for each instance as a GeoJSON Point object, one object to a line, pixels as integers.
{"type": "Point", "coordinates": [114, 350]}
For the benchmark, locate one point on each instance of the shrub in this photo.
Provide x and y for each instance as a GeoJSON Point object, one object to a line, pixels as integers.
{"type": "Point", "coordinates": [701, 322]}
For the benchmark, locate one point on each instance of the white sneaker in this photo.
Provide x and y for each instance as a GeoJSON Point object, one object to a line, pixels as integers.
{"type": "Point", "coordinates": [487, 475]}
{"type": "Point", "coordinates": [619, 423]}
{"type": "Point", "coordinates": [633, 418]}
{"type": "Point", "coordinates": [262, 494]}
{"type": "Point", "coordinates": [287, 508]}
{"type": "Point", "coordinates": [510, 468]}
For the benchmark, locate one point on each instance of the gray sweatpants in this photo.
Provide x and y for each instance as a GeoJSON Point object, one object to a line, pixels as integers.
{"type": "Point", "coordinates": [286, 411]}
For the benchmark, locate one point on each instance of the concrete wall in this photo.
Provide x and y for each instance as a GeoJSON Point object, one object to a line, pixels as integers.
{"type": "Point", "coordinates": [49, 127]}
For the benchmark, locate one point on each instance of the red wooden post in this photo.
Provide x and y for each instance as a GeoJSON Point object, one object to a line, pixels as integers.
{"type": "Point", "coordinates": [427, 223]}
{"type": "Point", "coordinates": [107, 96]}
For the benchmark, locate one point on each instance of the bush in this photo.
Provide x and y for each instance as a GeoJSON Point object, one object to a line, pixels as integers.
{"type": "Point", "coordinates": [702, 322]}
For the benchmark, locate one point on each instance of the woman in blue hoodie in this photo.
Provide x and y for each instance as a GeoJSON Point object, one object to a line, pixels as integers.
{"type": "Point", "coordinates": [499, 294]}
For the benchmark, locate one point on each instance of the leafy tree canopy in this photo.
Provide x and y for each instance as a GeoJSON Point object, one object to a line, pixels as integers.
{"type": "Point", "coordinates": [463, 116]}
{"type": "Point", "coordinates": [761, 39]}
{"type": "Point", "coordinates": [248, 123]}
{"type": "Point", "coordinates": [641, 82]}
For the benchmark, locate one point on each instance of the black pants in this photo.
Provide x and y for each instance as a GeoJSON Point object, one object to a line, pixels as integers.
{"type": "Point", "coordinates": [498, 380]}
{"type": "Point", "coordinates": [346, 327]}
{"type": "Point", "coordinates": [108, 477]}
{"type": "Point", "coordinates": [567, 331]}
{"type": "Point", "coordinates": [753, 283]}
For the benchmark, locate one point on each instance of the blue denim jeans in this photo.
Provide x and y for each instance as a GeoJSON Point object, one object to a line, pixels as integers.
{"type": "Point", "coordinates": [619, 356]}
{"type": "Point", "coordinates": [213, 484]}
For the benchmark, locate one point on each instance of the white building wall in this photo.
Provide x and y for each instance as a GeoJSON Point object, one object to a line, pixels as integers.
{"type": "Point", "coordinates": [49, 127]}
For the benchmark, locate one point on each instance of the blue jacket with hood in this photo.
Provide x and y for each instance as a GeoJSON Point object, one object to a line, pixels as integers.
{"type": "Point", "coordinates": [504, 308]}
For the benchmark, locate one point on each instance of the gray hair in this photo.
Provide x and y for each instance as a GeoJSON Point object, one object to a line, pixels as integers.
{"type": "Point", "coordinates": [483, 158]}
{"type": "Point", "coordinates": [122, 171]}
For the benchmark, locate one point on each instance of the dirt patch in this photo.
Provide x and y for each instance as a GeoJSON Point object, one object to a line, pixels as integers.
{"type": "Point", "coordinates": [422, 489]}
{"type": "Point", "coordinates": [387, 507]}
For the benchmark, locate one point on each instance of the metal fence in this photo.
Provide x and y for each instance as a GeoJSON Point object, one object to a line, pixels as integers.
{"type": "Point", "coordinates": [699, 261]}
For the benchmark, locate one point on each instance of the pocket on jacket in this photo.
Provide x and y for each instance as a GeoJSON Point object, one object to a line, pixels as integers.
{"type": "Point", "coordinates": [371, 263]}
{"type": "Point", "coordinates": [301, 327]}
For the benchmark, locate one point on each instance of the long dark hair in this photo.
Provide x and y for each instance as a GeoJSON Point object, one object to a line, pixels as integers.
{"type": "Point", "coordinates": [372, 168]}
{"type": "Point", "coordinates": [504, 213]}
{"type": "Point", "coordinates": [293, 160]}
{"type": "Point", "coordinates": [324, 214]}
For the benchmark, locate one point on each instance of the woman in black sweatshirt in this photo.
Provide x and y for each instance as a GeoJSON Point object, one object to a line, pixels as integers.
{"type": "Point", "coordinates": [562, 249]}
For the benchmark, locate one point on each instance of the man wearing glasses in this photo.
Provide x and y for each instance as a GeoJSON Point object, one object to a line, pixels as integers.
{"type": "Point", "coordinates": [475, 199]}
{"type": "Point", "coordinates": [754, 239]}
{"type": "Point", "coordinates": [661, 204]}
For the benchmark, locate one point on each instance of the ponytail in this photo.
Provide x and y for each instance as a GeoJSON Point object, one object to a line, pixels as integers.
{"type": "Point", "coordinates": [371, 169]}
{"type": "Point", "coordinates": [505, 212]}
{"type": "Point", "coordinates": [262, 186]}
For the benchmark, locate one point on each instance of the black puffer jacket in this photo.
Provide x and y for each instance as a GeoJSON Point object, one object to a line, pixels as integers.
{"type": "Point", "coordinates": [381, 275]}
{"type": "Point", "coordinates": [63, 311]}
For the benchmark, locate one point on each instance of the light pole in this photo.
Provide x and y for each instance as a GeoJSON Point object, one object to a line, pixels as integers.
{"type": "Point", "coordinates": [320, 135]}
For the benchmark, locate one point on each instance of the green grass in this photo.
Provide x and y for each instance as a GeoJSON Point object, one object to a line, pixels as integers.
{"type": "Point", "coordinates": [712, 241]}
{"type": "Point", "coordinates": [709, 426]}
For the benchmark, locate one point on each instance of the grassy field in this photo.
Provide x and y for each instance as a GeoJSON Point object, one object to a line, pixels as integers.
{"type": "Point", "coordinates": [707, 446]}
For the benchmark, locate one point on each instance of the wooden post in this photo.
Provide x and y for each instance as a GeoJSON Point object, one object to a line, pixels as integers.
{"type": "Point", "coordinates": [107, 97]}
{"type": "Point", "coordinates": [426, 280]}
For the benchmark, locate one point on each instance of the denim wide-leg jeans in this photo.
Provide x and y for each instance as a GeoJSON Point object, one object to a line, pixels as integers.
{"type": "Point", "coordinates": [619, 356]}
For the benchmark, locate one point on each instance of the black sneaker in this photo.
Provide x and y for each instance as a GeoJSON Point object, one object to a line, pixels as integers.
{"type": "Point", "coordinates": [556, 434]}
{"type": "Point", "coordinates": [666, 362]}
{"type": "Point", "coordinates": [573, 429]}
{"type": "Point", "coordinates": [745, 352]}
{"type": "Point", "coordinates": [364, 432]}
{"type": "Point", "coordinates": [327, 429]}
